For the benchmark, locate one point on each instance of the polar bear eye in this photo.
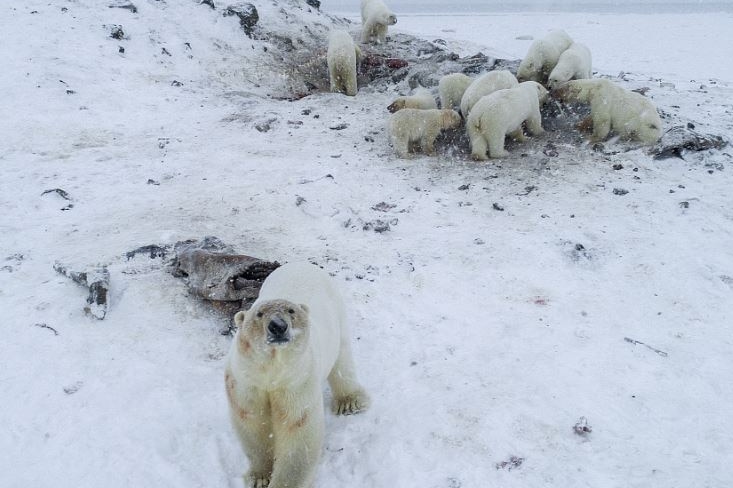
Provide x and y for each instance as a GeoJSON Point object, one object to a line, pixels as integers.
{"type": "Point", "coordinates": [291, 311]}
{"type": "Point", "coordinates": [260, 315]}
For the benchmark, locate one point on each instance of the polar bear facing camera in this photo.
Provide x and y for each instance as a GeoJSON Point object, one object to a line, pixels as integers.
{"type": "Point", "coordinates": [342, 58]}
{"type": "Point", "coordinates": [574, 64]}
{"type": "Point", "coordinates": [375, 17]}
{"type": "Point", "coordinates": [410, 127]}
{"type": "Point", "coordinates": [502, 113]}
{"type": "Point", "coordinates": [614, 109]}
{"type": "Point", "coordinates": [451, 89]}
{"type": "Point", "coordinates": [421, 98]}
{"type": "Point", "coordinates": [542, 56]}
{"type": "Point", "coordinates": [287, 345]}
{"type": "Point", "coordinates": [484, 85]}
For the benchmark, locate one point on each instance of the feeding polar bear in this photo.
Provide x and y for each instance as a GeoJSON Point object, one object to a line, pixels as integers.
{"type": "Point", "coordinates": [502, 113]}
{"type": "Point", "coordinates": [421, 98]}
{"type": "Point", "coordinates": [484, 85]}
{"type": "Point", "coordinates": [574, 64]}
{"type": "Point", "coordinates": [542, 56]}
{"type": "Point", "coordinates": [451, 89]}
{"type": "Point", "coordinates": [375, 17]}
{"type": "Point", "coordinates": [292, 339]}
{"type": "Point", "coordinates": [342, 58]}
{"type": "Point", "coordinates": [410, 127]}
{"type": "Point", "coordinates": [614, 109]}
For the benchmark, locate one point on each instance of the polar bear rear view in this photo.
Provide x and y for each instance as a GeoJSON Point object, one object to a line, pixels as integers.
{"type": "Point", "coordinates": [287, 345]}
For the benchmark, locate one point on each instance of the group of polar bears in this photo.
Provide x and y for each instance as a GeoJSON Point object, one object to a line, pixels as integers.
{"type": "Point", "coordinates": [498, 104]}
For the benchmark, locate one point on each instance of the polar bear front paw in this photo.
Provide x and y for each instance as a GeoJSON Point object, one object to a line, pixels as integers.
{"type": "Point", "coordinates": [256, 480]}
{"type": "Point", "coordinates": [351, 404]}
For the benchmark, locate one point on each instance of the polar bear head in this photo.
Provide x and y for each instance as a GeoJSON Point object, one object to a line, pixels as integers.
{"type": "Point", "coordinates": [534, 87]}
{"type": "Point", "coordinates": [270, 325]}
{"type": "Point", "coordinates": [450, 119]}
{"type": "Point", "coordinates": [390, 19]}
{"type": "Point", "coordinates": [530, 69]}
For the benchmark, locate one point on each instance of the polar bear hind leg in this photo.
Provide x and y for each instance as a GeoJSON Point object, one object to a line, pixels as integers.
{"type": "Point", "coordinates": [478, 143]}
{"type": "Point", "coordinates": [496, 144]}
{"type": "Point", "coordinates": [518, 135]}
{"type": "Point", "coordinates": [534, 123]}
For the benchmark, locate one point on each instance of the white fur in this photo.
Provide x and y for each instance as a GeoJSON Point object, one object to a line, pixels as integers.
{"type": "Point", "coordinates": [421, 98]}
{"type": "Point", "coordinates": [574, 64]}
{"type": "Point", "coordinates": [375, 17]}
{"type": "Point", "coordinates": [451, 89]}
{"type": "Point", "coordinates": [275, 390]}
{"type": "Point", "coordinates": [411, 126]}
{"type": "Point", "coordinates": [502, 113]}
{"type": "Point", "coordinates": [542, 56]}
{"type": "Point", "coordinates": [484, 85]}
{"type": "Point", "coordinates": [342, 57]}
{"type": "Point", "coordinates": [614, 109]}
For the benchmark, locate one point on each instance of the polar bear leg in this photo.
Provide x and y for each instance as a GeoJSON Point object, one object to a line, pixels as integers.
{"type": "Point", "coordinates": [367, 32]}
{"type": "Point", "coordinates": [601, 128]}
{"type": "Point", "coordinates": [427, 142]}
{"type": "Point", "coordinates": [350, 87]}
{"type": "Point", "coordinates": [496, 144]}
{"type": "Point", "coordinates": [348, 395]}
{"type": "Point", "coordinates": [253, 427]}
{"type": "Point", "coordinates": [518, 135]}
{"type": "Point", "coordinates": [478, 143]}
{"type": "Point", "coordinates": [534, 123]}
{"type": "Point", "coordinates": [401, 146]}
{"type": "Point", "coordinates": [298, 430]}
{"type": "Point", "coordinates": [381, 33]}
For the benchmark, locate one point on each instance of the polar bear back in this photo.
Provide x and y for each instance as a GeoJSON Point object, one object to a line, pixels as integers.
{"type": "Point", "coordinates": [505, 110]}
{"type": "Point", "coordinates": [451, 88]}
{"type": "Point", "coordinates": [484, 85]}
{"type": "Point", "coordinates": [306, 284]}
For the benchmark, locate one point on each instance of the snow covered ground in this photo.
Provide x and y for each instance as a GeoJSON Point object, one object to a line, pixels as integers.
{"type": "Point", "coordinates": [508, 299]}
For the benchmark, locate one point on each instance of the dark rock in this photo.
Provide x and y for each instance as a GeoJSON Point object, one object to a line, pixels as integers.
{"type": "Point", "coordinates": [176, 83]}
{"type": "Point", "coordinates": [127, 6]}
{"type": "Point", "coordinates": [498, 207]}
{"type": "Point", "coordinates": [316, 4]}
{"type": "Point", "coordinates": [618, 166]}
{"type": "Point", "coordinates": [620, 191]}
{"type": "Point", "coordinates": [379, 226]}
{"type": "Point", "coordinates": [97, 281]}
{"type": "Point", "coordinates": [210, 3]}
{"type": "Point", "coordinates": [248, 16]}
{"type": "Point", "coordinates": [340, 126]}
{"type": "Point", "coordinates": [512, 463]}
{"type": "Point", "coordinates": [153, 251]}
{"type": "Point", "coordinates": [116, 32]}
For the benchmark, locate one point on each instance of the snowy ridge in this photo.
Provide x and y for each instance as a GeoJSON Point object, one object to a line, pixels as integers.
{"type": "Point", "coordinates": [504, 302]}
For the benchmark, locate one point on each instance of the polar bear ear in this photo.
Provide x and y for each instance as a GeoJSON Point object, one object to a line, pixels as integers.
{"type": "Point", "coordinates": [305, 308]}
{"type": "Point", "coordinates": [239, 318]}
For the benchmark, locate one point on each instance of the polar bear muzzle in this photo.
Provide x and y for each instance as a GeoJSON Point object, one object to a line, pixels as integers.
{"type": "Point", "coordinates": [278, 331]}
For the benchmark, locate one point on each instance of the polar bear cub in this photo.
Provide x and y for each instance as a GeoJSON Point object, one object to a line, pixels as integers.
{"type": "Point", "coordinates": [451, 89]}
{"type": "Point", "coordinates": [410, 127]}
{"type": "Point", "coordinates": [287, 344]}
{"type": "Point", "coordinates": [421, 98]}
{"type": "Point", "coordinates": [502, 113]}
{"type": "Point", "coordinates": [342, 58]}
{"type": "Point", "coordinates": [614, 109]}
{"type": "Point", "coordinates": [574, 64]}
{"type": "Point", "coordinates": [484, 85]}
{"type": "Point", "coordinates": [375, 17]}
{"type": "Point", "coordinates": [542, 56]}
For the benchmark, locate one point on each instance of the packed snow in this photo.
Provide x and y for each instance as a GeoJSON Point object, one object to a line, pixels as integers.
{"type": "Point", "coordinates": [561, 318]}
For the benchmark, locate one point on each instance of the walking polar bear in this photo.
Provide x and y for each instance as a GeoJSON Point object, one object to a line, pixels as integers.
{"type": "Point", "coordinates": [421, 98]}
{"type": "Point", "coordinates": [484, 85]}
{"type": "Point", "coordinates": [574, 64]}
{"type": "Point", "coordinates": [375, 17]}
{"type": "Point", "coordinates": [614, 109]}
{"type": "Point", "coordinates": [542, 56]}
{"type": "Point", "coordinates": [451, 89]}
{"type": "Point", "coordinates": [410, 127]}
{"type": "Point", "coordinates": [502, 113]}
{"type": "Point", "coordinates": [286, 346]}
{"type": "Point", "coordinates": [342, 58]}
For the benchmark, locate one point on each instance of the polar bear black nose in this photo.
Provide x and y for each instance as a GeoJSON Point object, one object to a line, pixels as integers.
{"type": "Point", "coordinates": [277, 327]}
